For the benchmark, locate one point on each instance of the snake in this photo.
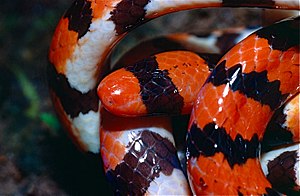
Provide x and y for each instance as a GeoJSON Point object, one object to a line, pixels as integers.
{"type": "Point", "coordinates": [228, 118]}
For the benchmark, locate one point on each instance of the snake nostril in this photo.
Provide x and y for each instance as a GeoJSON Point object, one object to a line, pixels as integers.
{"type": "Point", "coordinates": [110, 102]}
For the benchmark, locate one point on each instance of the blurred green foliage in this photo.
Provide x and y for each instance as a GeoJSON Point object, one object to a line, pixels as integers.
{"type": "Point", "coordinates": [26, 28]}
{"type": "Point", "coordinates": [35, 152]}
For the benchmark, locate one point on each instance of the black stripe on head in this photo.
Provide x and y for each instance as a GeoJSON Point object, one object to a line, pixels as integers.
{"type": "Point", "coordinates": [80, 17]}
{"type": "Point", "coordinates": [128, 14]}
{"type": "Point", "coordinates": [158, 92]}
{"type": "Point", "coordinates": [281, 171]}
{"type": "Point", "coordinates": [283, 35]}
{"type": "Point", "coordinates": [239, 3]}
{"type": "Point", "coordinates": [213, 139]}
{"type": "Point", "coordinates": [254, 84]}
{"type": "Point", "coordinates": [147, 156]}
{"type": "Point", "coordinates": [72, 100]}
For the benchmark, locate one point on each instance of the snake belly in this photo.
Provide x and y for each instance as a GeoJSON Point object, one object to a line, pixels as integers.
{"type": "Point", "coordinates": [85, 36]}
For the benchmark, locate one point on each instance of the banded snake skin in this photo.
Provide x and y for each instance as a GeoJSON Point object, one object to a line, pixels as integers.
{"type": "Point", "coordinates": [229, 113]}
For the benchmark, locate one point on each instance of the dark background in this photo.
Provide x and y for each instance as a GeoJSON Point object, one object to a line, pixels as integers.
{"type": "Point", "coordinates": [36, 156]}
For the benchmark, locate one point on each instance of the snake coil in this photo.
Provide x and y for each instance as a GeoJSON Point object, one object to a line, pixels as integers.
{"type": "Point", "coordinates": [229, 114]}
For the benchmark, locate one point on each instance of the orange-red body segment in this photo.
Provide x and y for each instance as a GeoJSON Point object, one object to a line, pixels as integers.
{"type": "Point", "coordinates": [292, 117]}
{"type": "Point", "coordinates": [213, 175]}
{"type": "Point", "coordinates": [65, 40]}
{"type": "Point", "coordinates": [62, 45]}
{"type": "Point", "coordinates": [233, 111]}
{"type": "Point", "coordinates": [188, 72]}
{"type": "Point", "coordinates": [241, 114]}
{"type": "Point", "coordinates": [112, 148]}
{"type": "Point", "coordinates": [257, 52]}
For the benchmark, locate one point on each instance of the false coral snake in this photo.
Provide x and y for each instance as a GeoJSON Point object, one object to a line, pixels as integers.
{"type": "Point", "coordinates": [228, 119]}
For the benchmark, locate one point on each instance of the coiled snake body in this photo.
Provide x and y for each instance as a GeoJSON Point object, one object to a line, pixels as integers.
{"type": "Point", "coordinates": [231, 106]}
